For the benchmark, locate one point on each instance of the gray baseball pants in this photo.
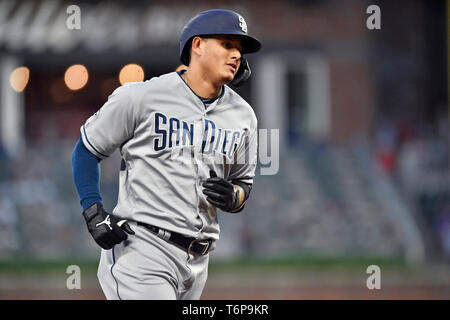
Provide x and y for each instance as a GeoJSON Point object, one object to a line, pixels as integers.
{"type": "Point", "coordinates": [146, 267]}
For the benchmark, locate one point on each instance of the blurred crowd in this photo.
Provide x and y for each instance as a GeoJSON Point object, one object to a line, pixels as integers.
{"type": "Point", "coordinates": [321, 202]}
{"type": "Point", "coordinates": [385, 194]}
{"type": "Point", "coordinates": [417, 159]}
{"type": "Point", "coordinates": [325, 200]}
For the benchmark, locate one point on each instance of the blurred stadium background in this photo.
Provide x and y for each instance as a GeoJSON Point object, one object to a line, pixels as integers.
{"type": "Point", "coordinates": [364, 144]}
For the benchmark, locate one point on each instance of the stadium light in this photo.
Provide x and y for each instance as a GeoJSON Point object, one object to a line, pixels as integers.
{"type": "Point", "coordinates": [131, 73]}
{"type": "Point", "coordinates": [181, 67]}
{"type": "Point", "coordinates": [19, 78]}
{"type": "Point", "coordinates": [76, 77]}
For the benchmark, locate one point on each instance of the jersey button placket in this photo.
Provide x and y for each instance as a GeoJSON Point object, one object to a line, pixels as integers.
{"type": "Point", "coordinates": [198, 139]}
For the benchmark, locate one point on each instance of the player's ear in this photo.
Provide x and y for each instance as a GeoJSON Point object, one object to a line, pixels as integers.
{"type": "Point", "coordinates": [197, 46]}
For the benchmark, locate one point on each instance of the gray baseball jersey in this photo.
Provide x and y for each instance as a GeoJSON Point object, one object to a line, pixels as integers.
{"type": "Point", "coordinates": [169, 142]}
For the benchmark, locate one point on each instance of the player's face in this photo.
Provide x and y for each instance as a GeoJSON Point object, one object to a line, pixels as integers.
{"type": "Point", "coordinates": [222, 57]}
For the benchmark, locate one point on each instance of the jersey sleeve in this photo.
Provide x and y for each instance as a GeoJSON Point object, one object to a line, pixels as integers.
{"type": "Point", "coordinates": [111, 125]}
{"type": "Point", "coordinates": [244, 166]}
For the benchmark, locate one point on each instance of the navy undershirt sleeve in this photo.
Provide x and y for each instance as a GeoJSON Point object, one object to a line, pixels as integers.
{"type": "Point", "coordinates": [86, 175]}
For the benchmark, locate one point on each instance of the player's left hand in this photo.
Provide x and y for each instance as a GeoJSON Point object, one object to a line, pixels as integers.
{"type": "Point", "coordinates": [221, 193]}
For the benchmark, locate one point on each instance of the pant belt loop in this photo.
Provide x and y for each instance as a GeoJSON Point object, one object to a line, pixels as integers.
{"type": "Point", "coordinates": [164, 234]}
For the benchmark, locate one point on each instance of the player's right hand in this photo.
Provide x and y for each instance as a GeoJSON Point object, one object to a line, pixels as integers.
{"type": "Point", "coordinates": [106, 229]}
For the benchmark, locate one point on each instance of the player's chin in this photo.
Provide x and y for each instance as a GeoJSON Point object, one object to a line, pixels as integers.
{"type": "Point", "coordinates": [228, 76]}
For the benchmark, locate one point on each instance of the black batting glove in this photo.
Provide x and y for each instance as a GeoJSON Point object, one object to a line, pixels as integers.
{"type": "Point", "coordinates": [106, 229]}
{"type": "Point", "coordinates": [220, 193]}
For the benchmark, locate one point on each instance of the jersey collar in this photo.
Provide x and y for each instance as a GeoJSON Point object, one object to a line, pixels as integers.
{"type": "Point", "coordinates": [204, 101]}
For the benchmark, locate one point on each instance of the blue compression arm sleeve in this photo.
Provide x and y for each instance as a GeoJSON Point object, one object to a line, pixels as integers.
{"type": "Point", "coordinates": [86, 175]}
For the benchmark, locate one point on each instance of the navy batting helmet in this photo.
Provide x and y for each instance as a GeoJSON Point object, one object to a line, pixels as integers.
{"type": "Point", "coordinates": [217, 21]}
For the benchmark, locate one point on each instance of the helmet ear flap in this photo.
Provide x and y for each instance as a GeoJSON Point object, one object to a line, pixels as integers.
{"type": "Point", "coordinates": [243, 73]}
{"type": "Point", "coordinates": [186, 54]}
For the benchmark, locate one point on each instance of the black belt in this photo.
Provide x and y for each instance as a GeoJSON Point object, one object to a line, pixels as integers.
{"type": "Point", "coordinates": [191, 245]}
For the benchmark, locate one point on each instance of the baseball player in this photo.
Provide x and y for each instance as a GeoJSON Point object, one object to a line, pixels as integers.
{"type": "Point", "coordinates": [155, 243]}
